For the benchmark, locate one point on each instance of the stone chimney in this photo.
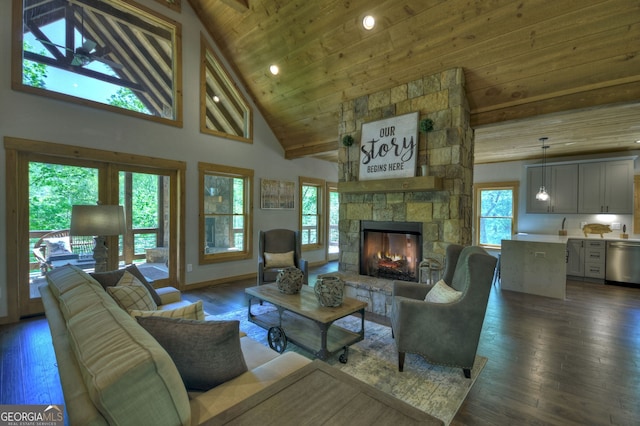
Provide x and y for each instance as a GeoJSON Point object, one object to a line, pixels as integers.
{"type": "Point", "coordinates": [441, 200]}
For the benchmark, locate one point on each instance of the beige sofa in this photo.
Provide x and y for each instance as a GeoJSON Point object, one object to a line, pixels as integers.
{"type": "Point", "coordinates": [113, 372]}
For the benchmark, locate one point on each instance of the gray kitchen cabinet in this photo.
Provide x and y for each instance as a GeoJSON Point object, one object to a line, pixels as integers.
{"type": "Point", "coordinates": [594, 259]}
{"type": "Point", "coordinates": [586, 258]}
{"type": "Point", "coordinates": [575, 258]}
{"type": "Point", "coordinates": [606, 187]}
{"type": "Point", "coordinates": [561, 185]}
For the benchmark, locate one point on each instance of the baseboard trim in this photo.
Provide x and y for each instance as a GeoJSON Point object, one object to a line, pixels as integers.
{"type": "Point", "coordinates": [225, 280]}
{"type": "Point", "coordinates": [221, 281]}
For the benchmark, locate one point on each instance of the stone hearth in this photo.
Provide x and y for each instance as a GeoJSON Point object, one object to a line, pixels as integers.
{"type": "Point", "coordinates": [375, 291]}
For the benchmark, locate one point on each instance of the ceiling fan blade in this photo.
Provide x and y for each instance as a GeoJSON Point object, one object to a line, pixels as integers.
{"type": "Point", "coordinates": [89, 45]}
{"type": "Point", "coordinates": [107, 62]}
{"type": "Point", "coordinates": [53, 44]}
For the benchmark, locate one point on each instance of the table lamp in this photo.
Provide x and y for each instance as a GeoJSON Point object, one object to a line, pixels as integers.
{"type": "Point", "coordinates": [99, 222]}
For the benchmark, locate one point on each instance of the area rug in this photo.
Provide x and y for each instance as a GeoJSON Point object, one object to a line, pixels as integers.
{"type": "Point", "coordinates": [439, 391]}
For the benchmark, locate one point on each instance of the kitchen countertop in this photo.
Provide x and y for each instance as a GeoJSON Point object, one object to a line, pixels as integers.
{"type": "Point", "coordinates": [557, 239]}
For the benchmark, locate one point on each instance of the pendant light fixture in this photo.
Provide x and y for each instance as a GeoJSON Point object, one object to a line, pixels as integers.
{"type": "Point", "coordinates": [542, 194]}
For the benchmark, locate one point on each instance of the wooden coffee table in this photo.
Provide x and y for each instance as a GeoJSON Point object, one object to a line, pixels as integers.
{"type": "Point", "coordinates": [320, 394]}
{"type": "Point", "coordinates": [300, 319]}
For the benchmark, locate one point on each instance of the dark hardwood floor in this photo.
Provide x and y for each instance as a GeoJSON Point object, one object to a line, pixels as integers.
{"type": "Point", "coordinates": [551, 362]}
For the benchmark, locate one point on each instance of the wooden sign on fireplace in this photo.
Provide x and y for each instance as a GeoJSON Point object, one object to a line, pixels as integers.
{"type": "Point", "coordinates": [389, 148]}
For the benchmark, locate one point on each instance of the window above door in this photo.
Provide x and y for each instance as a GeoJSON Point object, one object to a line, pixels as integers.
{"type": "Point", "coordinates": [114, 55]}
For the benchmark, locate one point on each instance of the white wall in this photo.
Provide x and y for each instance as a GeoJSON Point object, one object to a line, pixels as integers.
{"type": "Point", "coordinates": [34, 117]}
{"type": "Point", "coordinates": [537, 223]}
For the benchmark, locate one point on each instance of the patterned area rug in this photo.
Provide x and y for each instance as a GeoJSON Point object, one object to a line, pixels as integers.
{"type": "Point", "coordinates": [436, 390]}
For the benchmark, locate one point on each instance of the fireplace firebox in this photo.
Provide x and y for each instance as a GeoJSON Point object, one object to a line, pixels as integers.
{"type": "Point", "coordinates": [391, 250]}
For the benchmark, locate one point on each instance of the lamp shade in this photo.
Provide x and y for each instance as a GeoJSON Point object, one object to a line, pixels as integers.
{"type": "Point", "coordinates": [102, 220]}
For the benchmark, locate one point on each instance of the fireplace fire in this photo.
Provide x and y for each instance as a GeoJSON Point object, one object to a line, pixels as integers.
{"type": "Point", "coordinates": [391, 250]}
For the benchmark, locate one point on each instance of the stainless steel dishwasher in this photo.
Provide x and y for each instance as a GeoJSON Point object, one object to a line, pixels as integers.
{"type": "Point", "coordinates": [623, 262]}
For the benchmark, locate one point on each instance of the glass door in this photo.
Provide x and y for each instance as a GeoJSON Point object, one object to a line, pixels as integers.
{"type": "Point", "coordinates": [53, 187]}
{"type": "Point", "coordinates": [147, 239]}
{"type": "Point", "coordinates": [333, 233]}
{"type": "Point", "coordinates": [45, 180]}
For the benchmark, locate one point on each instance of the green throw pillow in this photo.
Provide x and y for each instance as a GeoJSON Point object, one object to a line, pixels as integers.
{"type": "Point", "coordinates": [206, 353]}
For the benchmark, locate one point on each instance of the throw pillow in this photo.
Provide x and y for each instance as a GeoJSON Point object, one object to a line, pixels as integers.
{"type": "Point", "coordinates": [130, 294]}
{"type": "Point", "coordinates": [278, 260]}
{"type": "Point", "coordinates": [442, 293]}
{"type": "Point", "coordinates": [111, 278]}
{"type": "Point", "coordinates": [57, 246]}
{"type": "Point", "coordinates": [193, 311]}
{"type": "Point", "coordinates": [206, 353]}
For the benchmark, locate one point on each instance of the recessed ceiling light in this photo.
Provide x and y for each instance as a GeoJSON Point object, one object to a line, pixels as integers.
{"type": "Point", "coordinates": [274, 69]}
{"type": "Point", "coordinates": [216, 98]}
{"type": "Point", "coordinates": [638, 141]}
{"type": "Point", "coordinates": [368, 22]}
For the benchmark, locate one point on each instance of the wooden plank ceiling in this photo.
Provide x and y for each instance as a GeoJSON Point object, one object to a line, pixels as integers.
{"type": "Point", "coordinates": [567, 70]}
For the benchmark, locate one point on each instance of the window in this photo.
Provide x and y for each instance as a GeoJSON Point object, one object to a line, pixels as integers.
{"type": "Point", "coordinates": [496, 212]}
{"type": "Point", "coordinates": [223, 109]}
{"type": "Point", "coordinates": [113, 55]}
{"type": "Point", "coordinates": [226, 195]}
{"type": "Point", "coordinates": [311, 199]}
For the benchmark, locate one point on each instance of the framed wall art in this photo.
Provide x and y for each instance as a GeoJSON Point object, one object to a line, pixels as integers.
{"type": "Point", "coordinates": [277, 194]}
{"type": "Point", "coordinates": [389, 148]}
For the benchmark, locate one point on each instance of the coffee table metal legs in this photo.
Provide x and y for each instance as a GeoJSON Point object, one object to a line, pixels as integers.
{"type": "Point", "coordinates": [330, 335]}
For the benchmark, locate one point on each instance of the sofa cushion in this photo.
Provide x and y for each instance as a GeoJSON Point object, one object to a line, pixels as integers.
{"type": "Point", "coordinates": [111, 278]}
{"type": "Point", "coordinates": [66, 278]}
{"type": "Point", "coordinates": [136, 366]}
{"type": "Point", "coordinates": [131, 294]}
{"type": "Point", "coordinates": [58, 246]}
{"type": "Point", "coordinates": [216, 400]}
{"type": "Point", "coordinates": [137, 373]}
{"type": "Point", "coordinates": [442, 293]}
{"type": "Point", "coordinates": [206, 353]}
{"type": "Point", "coordinates": [193, 311]}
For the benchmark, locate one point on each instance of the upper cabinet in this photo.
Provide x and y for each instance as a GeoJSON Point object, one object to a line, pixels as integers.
{"type": "Point", "coordinates": [606, 187]}
{"type": "Point", "coordinates": [561, 184]}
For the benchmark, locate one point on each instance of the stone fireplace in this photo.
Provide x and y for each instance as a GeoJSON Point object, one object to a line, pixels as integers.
{"type": "Point", "coordinates": [390, 250]}
{"type": "Point", "coordinates": [440, 201]}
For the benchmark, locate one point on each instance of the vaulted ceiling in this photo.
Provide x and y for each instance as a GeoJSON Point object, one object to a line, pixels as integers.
{"type": "Point", "coordinates": [531, 67]}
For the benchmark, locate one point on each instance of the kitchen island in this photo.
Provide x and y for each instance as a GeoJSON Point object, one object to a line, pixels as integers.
{"type": "Point", "coordinates": [535, 264]}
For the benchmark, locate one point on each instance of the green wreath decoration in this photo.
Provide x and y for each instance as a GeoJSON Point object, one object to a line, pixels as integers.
{"type": "Point", "coordinates": [426, 125]}
{"type": "Point", "coordinates": [347, 140]}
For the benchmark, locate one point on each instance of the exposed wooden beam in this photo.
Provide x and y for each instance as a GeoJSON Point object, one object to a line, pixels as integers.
{"type": "Point", "coordinates": [310, 150]}
{"type": "Point", "coordinates": [239, 5]}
